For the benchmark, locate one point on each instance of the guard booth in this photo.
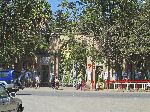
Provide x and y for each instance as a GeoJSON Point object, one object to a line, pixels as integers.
{"type": "Point", "coordinates": [96, 69]}
{"type": "Point", "coordinates": [44, 70]}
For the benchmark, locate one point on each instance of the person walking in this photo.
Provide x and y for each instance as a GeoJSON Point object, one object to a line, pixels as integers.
{"type": "Point", "coordinates": [79, 85]}
{"type": "Point", "coordinates": [53, 82]}
{"type": "Point", "coordinates": [37, 82]}
{"type": "Point", "coordinates": [31, 82]}
{"type": "Point", "coordinates": [56, 83]}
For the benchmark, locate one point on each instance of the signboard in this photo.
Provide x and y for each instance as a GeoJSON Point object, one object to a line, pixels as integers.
{"type": "Point", "coordinates": [89, 65]}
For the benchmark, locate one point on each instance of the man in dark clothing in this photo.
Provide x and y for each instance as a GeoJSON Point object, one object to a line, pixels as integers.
{"type": "Point", "coordinates": [53, 82]}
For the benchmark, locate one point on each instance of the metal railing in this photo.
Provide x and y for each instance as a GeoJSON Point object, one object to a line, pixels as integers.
{"type": "Point", "coordinates": [127, 84]}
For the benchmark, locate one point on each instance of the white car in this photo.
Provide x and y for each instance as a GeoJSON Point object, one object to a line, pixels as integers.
{"type": "Point", "coordinates": [8, 103]}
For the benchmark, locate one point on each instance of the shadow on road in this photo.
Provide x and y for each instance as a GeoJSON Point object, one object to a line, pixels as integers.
{"type": "Point", "coordinates": [23, 94]}
{"type": "Point", "coordinates": [59, 89]}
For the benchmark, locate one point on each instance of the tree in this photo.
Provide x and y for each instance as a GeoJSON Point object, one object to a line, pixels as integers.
{"type": "Point", "coordinates": [121, 27]}
{"type": "Point", "coordinates": [25, 28]}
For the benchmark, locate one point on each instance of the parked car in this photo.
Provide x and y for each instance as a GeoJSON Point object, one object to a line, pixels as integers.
{"type": "Point", "coordinates": [7, 101]}
{"type": "Point", "coordinates": [9, 78]}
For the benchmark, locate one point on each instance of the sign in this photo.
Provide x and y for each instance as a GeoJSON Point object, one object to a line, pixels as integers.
{"type": "Point", "coordinates": [89, 65]}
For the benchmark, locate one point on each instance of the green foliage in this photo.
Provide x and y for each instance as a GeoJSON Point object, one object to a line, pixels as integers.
{"type": "Point", "coordinates": [66, 16]}
{"type": "Point", "coordinates": [99, 80]}
{"type": "Point", "coordinates": [24, 28]}
{"type": "Point", "coordinates": [121, 27]}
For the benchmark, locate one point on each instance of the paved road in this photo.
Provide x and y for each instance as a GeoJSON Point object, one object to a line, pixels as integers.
{"type": "Point", "coordinates": [71, 100]}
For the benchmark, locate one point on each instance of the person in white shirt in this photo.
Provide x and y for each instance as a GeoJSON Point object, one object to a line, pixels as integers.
{"type": "Point", "coordinates": [37, 80]}
{"type": "Point", "coordinates": [56, 83]}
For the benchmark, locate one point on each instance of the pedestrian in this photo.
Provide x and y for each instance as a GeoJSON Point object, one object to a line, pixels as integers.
{"type": "Point", "coordinates": [31, 82]}
{"type": "Point", "coordinates": [79, 85]}
{"type": "Point", "coordinates": [53, 82]}
{"type": "Point", "coordinates": [97, 86]}
{"type": "Point", "coordinates": [37, 82]}
{"type": "Point", "coordinates": [56, 83]}
{"type": "Point", "coordinates": [74, 77]}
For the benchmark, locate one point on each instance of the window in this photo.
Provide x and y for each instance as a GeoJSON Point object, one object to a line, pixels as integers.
{"type": "Point", "coordinates": [3, 74]}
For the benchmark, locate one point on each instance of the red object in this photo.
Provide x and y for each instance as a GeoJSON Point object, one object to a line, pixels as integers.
{"type": "Point", "coordinates": [92, 84]}
{"type": "Point", "coordinates": [83, 84]}
{"type": "Point", "coordinates": [123, 81]}
{"type": "Point", "coordinates": [136, 87]}
{"type": "Point", "coordinates": [92, 81]}
{"type": "Point", "coordinates": [127, 81]}
{"type": "Point", "coordinates": [107, 81]}
{"type": "Point", "coordinates": [89, 65]}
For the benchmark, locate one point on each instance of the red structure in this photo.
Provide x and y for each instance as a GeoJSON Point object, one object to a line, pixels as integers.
{"type": "Point", "coordinates": [122, 83]}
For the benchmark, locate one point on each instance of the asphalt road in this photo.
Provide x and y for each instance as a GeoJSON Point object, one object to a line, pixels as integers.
{"type": "Point", "coordinates": [71, 100]}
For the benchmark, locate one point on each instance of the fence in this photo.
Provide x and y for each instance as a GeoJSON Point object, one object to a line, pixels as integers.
{"type": "Point", "coordinates": [135, 84]}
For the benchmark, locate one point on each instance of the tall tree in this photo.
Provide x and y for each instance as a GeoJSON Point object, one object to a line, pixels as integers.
{"type": "Point", "coordinates": [25, 27]}
{"type": "Point", "coordinates": [120, 26]}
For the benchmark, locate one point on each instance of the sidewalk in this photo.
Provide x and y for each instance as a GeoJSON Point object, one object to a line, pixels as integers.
{"type": "Point", "coordinates": [72, 89]}
{"type": "Point", "coordinates": [65, 89]}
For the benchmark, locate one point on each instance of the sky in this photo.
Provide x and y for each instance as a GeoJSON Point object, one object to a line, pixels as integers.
{"type": "Point", "coordinates": [54, 4]}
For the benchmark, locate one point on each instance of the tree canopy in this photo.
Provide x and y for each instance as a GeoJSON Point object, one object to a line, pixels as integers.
{"type": "Point", "coordinates": [122, 28]}
{"type": "Point", "coordinates": [25, 26]}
